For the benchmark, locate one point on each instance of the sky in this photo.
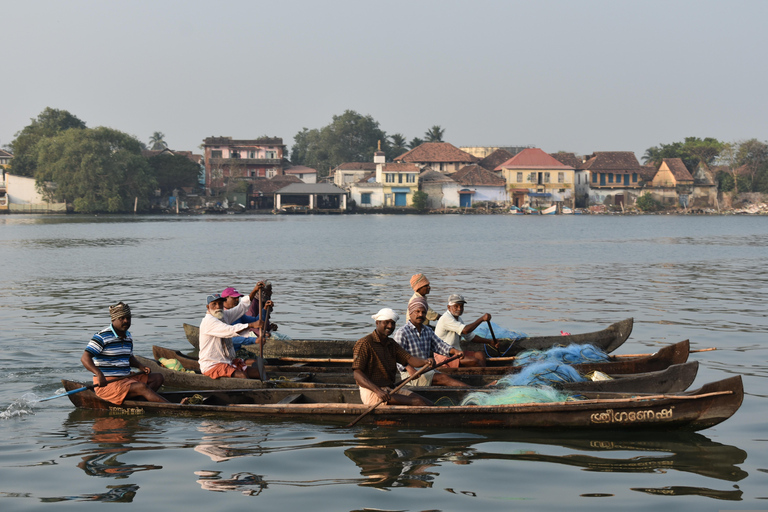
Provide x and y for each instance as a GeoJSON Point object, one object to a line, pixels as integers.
{"type": "Point", "coordinates": [578, 76]}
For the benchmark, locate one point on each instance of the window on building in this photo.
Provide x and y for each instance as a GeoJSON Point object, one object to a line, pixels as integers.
{"type": "Point", "coordinates": [519, 177]}
{"type": "Point", "coordinates": [634, 177]}
{"type": "Point", "coordinates": [562, 190]}
{"type": "Point", "coordinates": [234, 154]}
{"type": "Point", "coordinates": [365, 198]}
{"type": "Point", "coordinates": [216, 153]}
{"type": "Point", "coordinates": [251, 154]}
{"type": "Point", "coordinates": [399, 177]}
{"type": "Point", "coordinates": [610, 178]}
{"type": "Point", "coordinates": [532, 177]}
{"type": "Point", "coordinates": [546, 177]}
{"type": "Point", "coordinates": [410, 178]}
{"type": "Point", "coordinates": [270, 154]}
{"type": "Point", "coordinates": [594, 177]}
{"type": "Point", "coordinates": [561, 177]}
{"type": "Point", "coordinates": [271, 173]}
{"type": "Point", "coordinates": [389, 177]}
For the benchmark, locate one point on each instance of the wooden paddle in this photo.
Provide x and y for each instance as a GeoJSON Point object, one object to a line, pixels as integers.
{"type": "Point", "coordinates": [260, 365]}
{"type": "Point", "coordinates": [493, 336]}
{"type": "Point", "coordinates": [88, 386]}
{"type": "Point", "coordinates": [424, 369]}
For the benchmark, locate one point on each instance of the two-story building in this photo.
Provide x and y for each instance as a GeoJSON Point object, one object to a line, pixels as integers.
{"type": "Point", "coordinates": [392, 184]}
{"type": "Point", "coordinates": [228, 160]}
{"type": "Point", "coordinates": [616, 177]}
{"type": "Point", "coordinates": [536, 179]}
{"type": "Point", "coordinates": [344, 175]}
{"type": "Point", "coordinates": [477, 184]}
{"type": "Point", "coordinates": [438, 156]}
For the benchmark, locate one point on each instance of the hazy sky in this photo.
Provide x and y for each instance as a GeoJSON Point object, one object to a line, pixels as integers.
{"type": "Point", "coordinates": [578, 76]}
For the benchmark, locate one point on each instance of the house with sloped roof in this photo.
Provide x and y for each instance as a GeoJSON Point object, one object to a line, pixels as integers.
{"type": "Point", "coordinates": [304, 173]}
{"type": "Point", "coordinates": [477, 184]}
{"type": "Point", "coordinates": [344, 175]}
{"type": "Point", "coordinates": [495, 159]}
{"type": "Point", "coordinates": [672, 184]}
{"type": "Point", "coordinates": [536, 179]}
{"type": "Point", "coordinates": [367, 192]}
{"type": "Point", "coordinates": [229, 160]}
{"type": "Point", "coordinates": [438, 156]}
{"type": "Point", "coordinates": [261, 192]}
{"type": "Point", "coordinates": [615, 177]}
{"type": "Point", "coordinates": [442, 190]}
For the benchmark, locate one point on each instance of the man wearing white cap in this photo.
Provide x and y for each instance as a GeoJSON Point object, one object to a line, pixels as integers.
{"type": "Point", "coordinates": [374, 364]}
{"type": "Point", "coordinates": [451, 329]}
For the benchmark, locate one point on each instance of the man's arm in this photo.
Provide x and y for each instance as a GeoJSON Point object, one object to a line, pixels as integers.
{"type": "Point", "coordinates": [364, 382]}
{"type": "Point", "coordinates": [87, 360]}
{"type": "Point", "coordinates": [136, 364]}
{"type": "Point", "coordinates": [474, 325]}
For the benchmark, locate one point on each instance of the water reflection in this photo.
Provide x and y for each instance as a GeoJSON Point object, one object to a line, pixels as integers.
{"type": "Point", "coordinates": [116, 494]}
{"type": "Point", "coordinates": [221, 440]}
{"type": "Point", "coordinates": [735, 495]}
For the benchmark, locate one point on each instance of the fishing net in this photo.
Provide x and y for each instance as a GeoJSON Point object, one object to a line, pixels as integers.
{"type": "Point", "coordinates": [500, 332]}
{"type": "Point", "coordinates": [545, 373]}
{"type": "Point", "coordinates": [517, 395]}
{"type": "Point", "coordinates": [173, 364]}
{"type": "Point", "coordinates": [572, 354]}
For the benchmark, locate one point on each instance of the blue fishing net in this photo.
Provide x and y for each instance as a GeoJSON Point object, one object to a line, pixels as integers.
{"type": "Point", "coordinates": [572, 354]}
{"type": "Point", "coordinates": [516, 395]}
{"type": "Point", "coordinates": [500, 332]}
{"type": "Point", "coordinates": [546, 373]}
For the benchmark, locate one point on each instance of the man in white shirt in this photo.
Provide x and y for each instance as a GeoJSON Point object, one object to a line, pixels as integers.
{"type": "Point", "coordinates": [451, 329]}
{"type": "Point", "coordinates": [217, 354]}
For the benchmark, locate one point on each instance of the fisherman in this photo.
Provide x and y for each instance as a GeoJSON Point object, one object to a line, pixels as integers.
{"type": "Point", "coordinates": [374, 363]}
{"type": "Point", "coordinates": [217, 353]}
{"type": "Point", "coordinates": [109, 356]}
{"type": "Point", "coordinates": [232, 299]}
{"type": "Point", "coordinates": [421, 341]}
{"type": "Point", "coordinates": [421, 289]}
{"type": "Point", "coordinates": [451, 329]}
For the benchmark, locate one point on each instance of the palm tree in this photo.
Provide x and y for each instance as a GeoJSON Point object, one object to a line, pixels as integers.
{"type": "Point", "coordinates": [415, 142]}
{"type": "Point", "coordinates": [156, 141]}
{"type": "Point", "coordinates": [398, 144]}
{"type": "Point", "coordinates": [434, 134]}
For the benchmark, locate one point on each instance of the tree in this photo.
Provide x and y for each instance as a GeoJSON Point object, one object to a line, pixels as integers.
{"type": "Point", "coordinates": [415, 142]}
{"type": "Point", "coordinates": [647, 203]}
{"type": "Point", "coordinates": [752, 156]}
{"type": "Point", "coordinates": [419, 200]}
{"type": "Point", "coordinates": [434, 134]}
{"type": "Point", "coordinates": [49, 123]}
{"type": "Point", "coordinates": [96, 169]}
{"type": "Point", "coordinates": [693, 151]}
{"type": "Point", "coordinates": [350, 137]}
{"type": "Point", "coordinates": [173, 171]}
{"type": "Point", "coordinates": [397, 146]}
{"type": "Point", "coordinates": [157, 142]}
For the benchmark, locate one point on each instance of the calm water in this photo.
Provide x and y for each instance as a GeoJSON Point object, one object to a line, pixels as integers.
{"type": "Point", "coordinates": [701, 278]}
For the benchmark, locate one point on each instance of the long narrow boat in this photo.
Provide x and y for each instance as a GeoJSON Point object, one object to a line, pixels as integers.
{"type": "Point", "coordinates": [665, 357]}
{"type": "Point", "coordinates": [608, 339]}
{"type": "Point", "coordinates": [691, 410]}
{"type": "Point", "coordinates": [676, 377]}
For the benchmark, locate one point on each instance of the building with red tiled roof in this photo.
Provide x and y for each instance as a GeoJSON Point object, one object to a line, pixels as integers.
{"type": "Point", "coordinates": [495, 159]}
{"type": "Point", "coordinates": [304, 173]}
{"type": "Point", "coordinates": [439, 156]}
{"type": "Point", "coordinates": [535, 178]}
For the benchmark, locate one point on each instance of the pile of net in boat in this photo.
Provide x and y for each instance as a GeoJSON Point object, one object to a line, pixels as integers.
{"type": "Point", "coordinates": [173, 364]}
{"type": "Point", "coordinates": [571, 354]}
{"type": "Point", "coordinates": [517, 395]}
{"type": "Point", "coordinates": [545, 373]}
{"type": "Point", "coordinates": [500, 332]}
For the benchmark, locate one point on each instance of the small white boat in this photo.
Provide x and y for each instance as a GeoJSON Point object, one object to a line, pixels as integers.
{"type": "Point", "coordinates": [552, 210]}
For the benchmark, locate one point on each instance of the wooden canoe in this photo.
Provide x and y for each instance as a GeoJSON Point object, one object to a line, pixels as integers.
{"type": "Point", "coordinates": [609, 339]}
{"type": "Point", "coordinates": [677, 377]}
{"type": "Point", "coordinates": [665, 357]}
{"type": "Point", "coordinates": [689, 410]}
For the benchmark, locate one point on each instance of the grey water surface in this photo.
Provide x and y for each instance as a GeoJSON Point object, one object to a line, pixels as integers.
{"type": "Point", "coordinates": [697, 278]}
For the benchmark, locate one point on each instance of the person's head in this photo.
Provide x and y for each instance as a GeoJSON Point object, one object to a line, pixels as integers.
{"type": "Point", "coordinates": [231, 297]}
{"type": "Point", "coordinates": [386, 320]}
{"type": "Point", "coordinates": [420, 284]}
{"type": "Point", "coordinates": [417, 311]}
{"type": "Point", "coordinates": [456, 304]}
{"type": "Point", "coordinates": [216, 305]}
{"type": "Point", "coordinates": [120, 314]}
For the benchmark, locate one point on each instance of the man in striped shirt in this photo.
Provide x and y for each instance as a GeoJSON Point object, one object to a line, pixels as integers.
{"type": "Point", "coordinates": [109, 356]}
{"type": "Point", "coordinates": [422, 342]}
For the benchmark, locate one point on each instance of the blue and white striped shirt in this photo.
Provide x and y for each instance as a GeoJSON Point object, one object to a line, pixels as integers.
{"type": "Point", "coordinates": [111, 353]}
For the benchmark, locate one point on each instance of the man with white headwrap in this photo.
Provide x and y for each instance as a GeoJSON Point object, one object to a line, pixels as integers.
{"type": "Point", "coordinates": [374, 364]}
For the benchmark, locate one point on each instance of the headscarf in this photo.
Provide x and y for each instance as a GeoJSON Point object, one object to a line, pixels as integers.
{"type": "Point", "coordinates": [386, 314]}
{"type": "Point", "coordinates": [119, 310]}
{"type": "Point", "coordinates": [418, 302]}
{"type": "Point", "coordinates": [418, 280]}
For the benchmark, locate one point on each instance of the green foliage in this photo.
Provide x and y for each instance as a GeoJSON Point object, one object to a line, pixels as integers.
{"type": "Point", "coordinates": [397, 146]}
{"type": "Point", "coordinates": [350, 137]}
{"type": "Point", "coordinates": [420, 200]}
{"type": "Point", "coordinates": [97, 170]}
{"type": "Point", "coordinates": [647, 203]}
{"type": "Point", "coordinates": [157, 142]}
{"type": "Point", "coordinates": [415, 142]}
{"type": "Point", "coordinates": [692, 151]}
{"type": "Point", "coordinates": [434, 134]}
{"type": "Point", "coordinates": [49, 123]}
{"type": "Point", "coordinates": [173, 171]}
